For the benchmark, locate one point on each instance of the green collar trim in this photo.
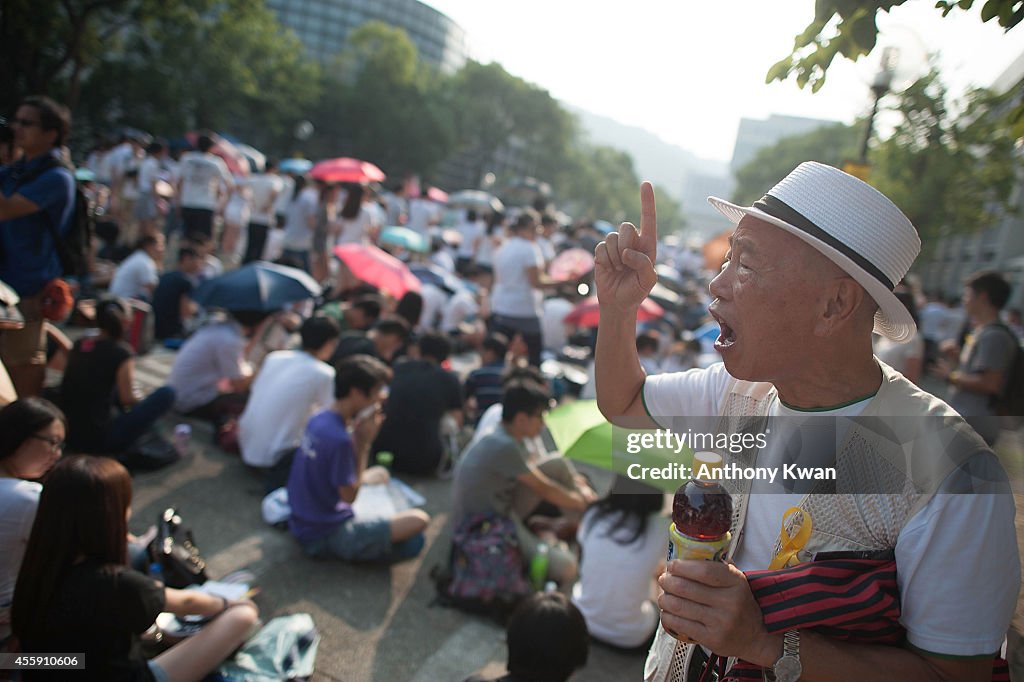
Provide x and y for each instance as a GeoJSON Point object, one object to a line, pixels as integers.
{"type": "Point", "coordinates": [829, 408]}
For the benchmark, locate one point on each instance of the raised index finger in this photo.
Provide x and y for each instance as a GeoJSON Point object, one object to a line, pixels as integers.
{"type": "Point", "coordinates": [648, 241]}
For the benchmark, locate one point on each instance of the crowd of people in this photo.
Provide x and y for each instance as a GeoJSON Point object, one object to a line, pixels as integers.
{"type": "Point", "coordinates": [322, 397]}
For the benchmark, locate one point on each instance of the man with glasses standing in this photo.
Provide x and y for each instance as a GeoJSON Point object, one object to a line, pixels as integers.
{"type": "Point", "coordinates": [36, 199]}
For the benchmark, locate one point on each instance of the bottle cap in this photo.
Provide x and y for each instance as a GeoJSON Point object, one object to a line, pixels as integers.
{"type": "Point", "coordinates": [706, 462]}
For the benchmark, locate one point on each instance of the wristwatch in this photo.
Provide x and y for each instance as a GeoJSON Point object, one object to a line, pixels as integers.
{"type": "Point", "coordinates": [787, 668]}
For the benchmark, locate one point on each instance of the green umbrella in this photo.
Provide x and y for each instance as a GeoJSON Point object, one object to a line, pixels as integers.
{"type": "Point", "coordinates": [583, 434]}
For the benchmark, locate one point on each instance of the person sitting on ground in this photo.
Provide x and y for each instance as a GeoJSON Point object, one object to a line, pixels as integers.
{"type": "Point", "coordinates": [212, 357]}
{"type": "Point", "coordinates": [383, 341]}
{"type": "Point", "coordinates": [173, 307]}
{"type": "Point", "coordinates": [483, 385]}
{"type": "Point", "coordinates": [622, 540]}
{"type": "Point", "coordinates": [292, 386]}
{"type": "Point", "coordinates": [357, 316]}
{"type": "Point", "coordinates": [496, 476]}
{"type": "Point", "coordinates": [204, 246]}
{"type": "Point", "coordinates": [537, 448]}
{"type": "Point", "coordinates": [106, 412]}
{"type": "Point", "coordinates": [31, 439]}
{"type": "Point", "coordinates": [547, 641]}
{"type": "Point", "coordinates": [139, 274]}
{"type": "Point", "coordinates": [76, 593]}
{"type": "Point", "coordinates": [330, 465]}
{"type": "Point", "coordinates": [422, 394]}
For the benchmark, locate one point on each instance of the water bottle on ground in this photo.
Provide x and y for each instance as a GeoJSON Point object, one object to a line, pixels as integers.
{"type": "Point", "coordinates": [182, 437]}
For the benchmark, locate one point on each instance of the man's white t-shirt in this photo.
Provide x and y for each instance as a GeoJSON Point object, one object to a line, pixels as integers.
{"type": "Point", "coordinates": [290, 388]}
{"type": "Point", "coordinates": [616, 577]}
{"type": "Point", "coordinates": [298, 235]}
{"type": "Point", "coordinates": [135, 277]}
{"type": "Point", "coordinates": [958, 578]}
{"type": "Point", "coordinates": [285, 196]}
{"type": "Point", "coordinates": [897, 355]}
{"type": "Point", "coordinates": [434, 299]}
{"type": "Point", "coordinates": [149, 172]}
{"type": "Point", "coordinates": [203, 177]}
{"type": "Point", "coordinates": [461, 306]}
{"type": "Point", "coordinates": [422, 213]}
{"type": "Point", "coordinates": [552, 323]}
{"type": "Point", "coordinates": [215, 352]}
{"type": "Point", "coordinates": [932, 320]}
{"type": "Point", "coordinates": [471, 232]}
{"type": "Point", "coordinates": [18, 503]}
{"type": "Point", "coordinates": [265, 188]}
{"type": "Point", "coordinates": [513, 294]}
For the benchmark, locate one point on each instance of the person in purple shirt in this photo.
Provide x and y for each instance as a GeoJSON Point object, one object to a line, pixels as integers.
{"type": "Point", "coordinates": [331, 464]}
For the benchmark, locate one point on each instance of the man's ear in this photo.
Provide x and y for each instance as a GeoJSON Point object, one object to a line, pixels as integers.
{"type": "Point", "coordinates": [844, 304]}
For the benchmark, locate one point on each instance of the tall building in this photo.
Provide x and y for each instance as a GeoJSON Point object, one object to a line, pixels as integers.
{"type": "Point", "coordinates": [324, 25]}
{"type": "Point", "coordinates": [946, 263]}
{"type": "Point", "coordinates": [755, 134]}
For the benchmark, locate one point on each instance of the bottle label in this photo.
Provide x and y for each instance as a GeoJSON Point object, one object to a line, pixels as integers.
{"type": "Point", "coordinates": [682, 547]}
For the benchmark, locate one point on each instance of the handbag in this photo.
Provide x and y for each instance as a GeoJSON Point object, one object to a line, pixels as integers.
{"type": "Point", "coordinates": [174, 551]}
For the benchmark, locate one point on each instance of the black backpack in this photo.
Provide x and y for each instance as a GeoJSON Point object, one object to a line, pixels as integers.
{"type": "Point", "coordinates": [1010, 403]}
{"type": "Point", "coordinates": [74, 246]}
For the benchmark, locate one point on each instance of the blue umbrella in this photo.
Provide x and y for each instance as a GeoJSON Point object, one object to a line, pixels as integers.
{"type": "Point", "coordinates": [439, 277]}
{"type": "Point", "coordinates": [405, 237]}
{"type": "Point", "coordinates": [257, 286]}
{"type": "Point", "coordinates": [295, 166]}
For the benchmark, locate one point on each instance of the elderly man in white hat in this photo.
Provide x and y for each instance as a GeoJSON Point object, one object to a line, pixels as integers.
{"type": "Point", "coordinates": [808, 279]}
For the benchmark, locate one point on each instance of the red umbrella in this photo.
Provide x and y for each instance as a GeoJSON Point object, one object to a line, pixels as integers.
{"type": "Point", "coordinates": [587, 313]}
{"type": "Point", "coordinates": [345, 169]}
{"type": "Point", "coordinates": [379, 268]}
{"type": "Point", "coordinates": [571, 264]}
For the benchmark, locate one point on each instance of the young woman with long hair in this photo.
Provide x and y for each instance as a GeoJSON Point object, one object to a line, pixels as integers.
{"type": "Point", "coordinates": [31, 440]}
{"type": "Point", "coordinates": [622, 538]}
{"type": "Point", "coordinates": [75, 593]}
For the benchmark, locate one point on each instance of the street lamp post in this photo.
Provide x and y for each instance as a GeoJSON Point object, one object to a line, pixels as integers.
{"type": "Point", "coordinates": [880, 86]}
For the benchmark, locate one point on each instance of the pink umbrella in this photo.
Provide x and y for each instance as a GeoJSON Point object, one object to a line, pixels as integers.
{"type": "Point", "coordinates": [345, 169]}
{"type": "Point", "coordinates": [379, 268]}
{"type": "Point", "coordinates": [587, 313]}
{"type": "Point", "coordinates": [235, 160]}
{"type": "Point", "coordinates": [437, 194]}
{"type": "Point", "coordinates": [571, 264]}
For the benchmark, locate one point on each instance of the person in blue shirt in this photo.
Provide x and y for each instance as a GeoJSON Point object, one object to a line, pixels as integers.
{"type": "Point", "coordinates": [330, 465]}
{"type": "Point", "coordinates": [28, 255]}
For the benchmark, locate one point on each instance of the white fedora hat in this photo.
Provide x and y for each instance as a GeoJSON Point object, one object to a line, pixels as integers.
{"type": "Point", "coordinates": [852, 223]}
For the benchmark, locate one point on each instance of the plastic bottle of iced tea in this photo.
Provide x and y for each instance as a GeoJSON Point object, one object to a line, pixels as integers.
{"type": "Point", "coordinates": [701, 514]}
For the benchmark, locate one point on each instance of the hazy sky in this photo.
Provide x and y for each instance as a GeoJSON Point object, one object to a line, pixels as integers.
{"type": "Point", "coordinates": [689, 70]}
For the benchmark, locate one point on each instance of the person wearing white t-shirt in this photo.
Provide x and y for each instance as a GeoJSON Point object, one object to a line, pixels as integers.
{"type": "Point", "coordinates": [622, 539]}
{"type": "Point", "coordinates": [519, 282]}
{"type": "Point", "coordinates": [423, 214]}
{"type": "Point", "coordinates": [808, 277]}
{"type": "Point", "coordinates": [291, 386]}
{"type": "Point", "coordinates": [204, 186]}
{"type": "Point", "coordinates": [300, 222]}
{"type": "Point", "coordinates": [138, 275]}
{"type": "Point", "coordinates": [265, 188]}
{"type": "Point", "coordinates": [150, 170]}
{"type": "Point", "coordinates": [356, 221]}
{"type": "Point", "coordinates": [472, 230]}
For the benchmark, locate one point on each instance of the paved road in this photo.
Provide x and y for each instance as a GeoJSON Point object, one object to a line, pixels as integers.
{"type": "Point", "coordinates": [377, 623]}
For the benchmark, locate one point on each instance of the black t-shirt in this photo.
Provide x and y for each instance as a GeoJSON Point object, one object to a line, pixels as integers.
{"type": "Point", "coordinates": [88, 389]}
{"type": "Point", "coordinates": [421, 392]}
{"type": "Point", "coordinates": [167, 321]}
{"type": "Point", "coordinates": [100, 611]}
